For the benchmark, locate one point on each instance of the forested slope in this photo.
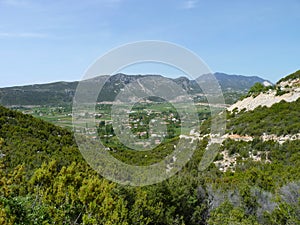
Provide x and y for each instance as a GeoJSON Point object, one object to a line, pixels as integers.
{"type": "Point", "coordinates": [44, 179]}
{"type": "Point", "coordinates": [30, 141]}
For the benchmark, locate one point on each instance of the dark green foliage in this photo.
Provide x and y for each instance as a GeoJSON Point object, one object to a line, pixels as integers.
{"type": "Point", "coordinates": [32, 141]}
{"type": "Point", "coordinates": [26, 208]}
{"type": "Point", "coordinates": [256, 89]}
{"type": "Point", "coordinates": [44, 180]}
{"type": "Point", "coordinates": [280, 119]}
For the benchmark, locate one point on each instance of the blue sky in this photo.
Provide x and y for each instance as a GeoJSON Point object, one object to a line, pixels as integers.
{"type": "Point", "coordinates": [44, 41]}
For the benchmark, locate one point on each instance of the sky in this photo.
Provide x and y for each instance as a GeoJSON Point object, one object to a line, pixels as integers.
{"type": "Point", "coordinates": [44, 40]}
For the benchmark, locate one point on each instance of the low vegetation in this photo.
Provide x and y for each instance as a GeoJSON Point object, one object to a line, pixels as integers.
{"type": "Point", "coordinates": [45, 180]}
{"type": "Point", "coordinates": [280, 119]}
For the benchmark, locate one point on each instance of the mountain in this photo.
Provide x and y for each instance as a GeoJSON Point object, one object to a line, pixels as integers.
{"type": "Point", "coordinates": [63, 92]}
{"type": "Point", "coordinates": [237, 82]}
{"type": "Point", "coordinates": [38, 94]}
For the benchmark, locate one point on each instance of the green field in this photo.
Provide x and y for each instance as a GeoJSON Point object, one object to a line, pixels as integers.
{"type": "Point", "coordinates": [62, 115]}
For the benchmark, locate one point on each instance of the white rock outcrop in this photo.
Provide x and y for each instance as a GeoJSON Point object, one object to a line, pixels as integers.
{"type": "Point", "coordinates": [268, 99]}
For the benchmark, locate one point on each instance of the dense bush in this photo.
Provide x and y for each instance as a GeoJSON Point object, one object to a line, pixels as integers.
{"type": "Point", "coordinates": [280, 119]}
{"type": "Point", "coordinates": [44, 179]}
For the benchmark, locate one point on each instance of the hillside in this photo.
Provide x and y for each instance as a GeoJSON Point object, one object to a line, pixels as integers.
{"type": "Point", "coordinates": [264, 134]}
{"type": "Point", "coordinates": [287, 89]}
{"type": "Point", "coordinates": [45, 181]}
{"type": "Point", "coordinates": [60, 93]}
{"type": "Point", "coordinates": [38, 94]}
{"type": "Point", "coordinates": [261, 124]}
{"type": "Point", "coordinates": [30, 141]}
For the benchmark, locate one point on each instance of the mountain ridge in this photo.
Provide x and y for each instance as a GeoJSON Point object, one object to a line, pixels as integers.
{"type": "Point", "coordinates": [62, 92]}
